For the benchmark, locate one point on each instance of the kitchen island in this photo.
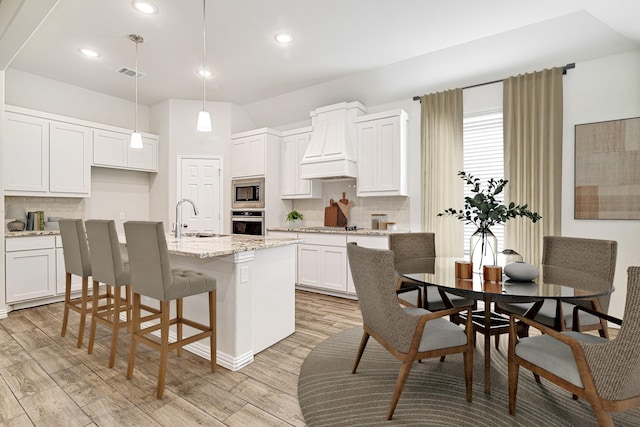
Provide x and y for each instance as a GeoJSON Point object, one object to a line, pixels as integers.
{"type": "Point", "coordinates": [255, 291]}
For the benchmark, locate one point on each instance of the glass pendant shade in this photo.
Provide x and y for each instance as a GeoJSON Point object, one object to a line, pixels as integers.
{"type": "Point", "coordinates": [136, 140]}
{"type": "Point", "coordinates": [204, 121]}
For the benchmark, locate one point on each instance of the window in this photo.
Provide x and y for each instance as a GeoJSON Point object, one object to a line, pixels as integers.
{"type": "Point", "coordinates": [483, 158]}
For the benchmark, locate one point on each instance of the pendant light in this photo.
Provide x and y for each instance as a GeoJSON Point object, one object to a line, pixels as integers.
{"type": "Point", "coordinates": [136, 138]}
{"type": "Point", "coordinates": [204, 118]}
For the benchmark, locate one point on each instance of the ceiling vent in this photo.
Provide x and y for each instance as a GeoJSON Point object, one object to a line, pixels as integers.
{"type": "Point", "coordinates": [130, 73]}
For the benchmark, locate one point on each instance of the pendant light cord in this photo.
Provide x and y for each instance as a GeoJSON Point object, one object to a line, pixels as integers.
{"type": "Point", "coordinates": [136, 77]}
{"type": "Point", "coordinates": [204, 51]}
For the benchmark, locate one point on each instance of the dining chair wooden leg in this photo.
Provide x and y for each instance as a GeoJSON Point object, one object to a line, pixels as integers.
{"type": "Point", "coordinates": [513, 371]}
{"type": "Point", "coordinates": [363, 344]}
{"type": "Point", "coordinates": [67, 300]}
{"type": "Point", "coordinates": [135, 330]}
{"type": "Point", "coordinates": [537, 378]}
{"type": "Point", "coordinates": [400, 382]}
{"type": "Point", "coordinates": [94, 316]}
{"type": "Point", "coordinates": [213, 325]}
{"type": "Point", "coordinates": [164, 346]}
{"type": "Point", "coordinates": [83, 309]}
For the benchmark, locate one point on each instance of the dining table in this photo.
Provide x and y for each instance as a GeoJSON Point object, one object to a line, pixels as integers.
{"type": "Point", "coordinates": [556, 283]}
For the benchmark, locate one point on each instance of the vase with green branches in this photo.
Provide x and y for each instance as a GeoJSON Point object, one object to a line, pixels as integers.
{"type": "Point", "coordinates": [484, 209]}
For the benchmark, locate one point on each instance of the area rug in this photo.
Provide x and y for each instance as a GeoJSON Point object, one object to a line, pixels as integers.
{"type": "Point", "coordinates": [434, 395]}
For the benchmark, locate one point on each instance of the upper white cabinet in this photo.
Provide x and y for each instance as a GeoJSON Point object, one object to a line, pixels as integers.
{"type": "Point", "coordinates": [46, 157]}
{"type": "Point", "coordinates": [255, 153]}
{"type": "Point", "coordinates": [248, 152]}
{"type": "Point", "coordinates": [382, 154]}
{"type": "Point", "coordinates": [294, 145]}
{"type": "Point", "coordinates": [111, 149]}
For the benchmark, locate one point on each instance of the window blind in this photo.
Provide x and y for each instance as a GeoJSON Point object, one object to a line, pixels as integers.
{"type": "Point", "coordinates": [483, 148]}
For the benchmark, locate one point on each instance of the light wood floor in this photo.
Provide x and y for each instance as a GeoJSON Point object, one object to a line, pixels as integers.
{"type": "Point", "coordinates": [45, 380]}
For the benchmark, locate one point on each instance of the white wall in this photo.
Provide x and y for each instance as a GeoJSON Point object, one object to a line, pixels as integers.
{"type": "Point", "coordinates": [598, 90]}
{"type": "Point", "coordinates": [3, 309]}
{"type": "Point", "coordinates": [175, 122]}
{"type": "Point", "coordinates": [42, 94]}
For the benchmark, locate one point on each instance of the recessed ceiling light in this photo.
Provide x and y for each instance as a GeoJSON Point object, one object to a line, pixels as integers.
{"type": "Point", "coordinates": [145, 7]}
{"type": "Point", "coordinates": [284, 38]}
{"type": "Point", "coordinates": [89, 52]}
{"type": "Point", "coordinates": [206, 73]}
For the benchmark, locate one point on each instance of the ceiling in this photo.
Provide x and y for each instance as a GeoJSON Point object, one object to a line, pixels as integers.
{"type": "Point", "coordinates": [334, 40]}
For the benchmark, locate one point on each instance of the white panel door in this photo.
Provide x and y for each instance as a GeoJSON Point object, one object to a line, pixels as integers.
{"type": "Point", "coordinates": [201, 181]}
{"type": "Point", "coordinates": [30, 274]}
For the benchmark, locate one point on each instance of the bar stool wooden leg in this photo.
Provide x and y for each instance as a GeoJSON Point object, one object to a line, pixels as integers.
{"type": "Point", "coordinates": [179, 324]}
{"type": "Point", "coordinates": [117, 306]}
{"type": "Point", "coordinates": [83, 309]}
{"type": "Point", "coordinates": [67, 301]}
{"type": "Point", "coordinates": [129, 305]}
{"type": "Point", "coordinates": [164, 346]}
{"type": "Point", "coordinates": [135, 329]}
{"type": "Point", "coordinates": [212, 324]}
{"type": "Point", "coordinates": [94, 314]}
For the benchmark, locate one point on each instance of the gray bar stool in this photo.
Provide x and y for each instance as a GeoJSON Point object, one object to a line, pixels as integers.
{"type": "Point", "coordinates": [108, 268]}
{"type": "Point", "coordinates": [152, 276]}
{"type": "Point", "coordinates": [77, 262]}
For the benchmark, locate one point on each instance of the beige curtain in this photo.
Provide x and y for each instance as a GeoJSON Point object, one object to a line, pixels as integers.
{"type": "Point", "coordinates": [533, 157]}
{"type": "Point", "coordinates": [442, 158]}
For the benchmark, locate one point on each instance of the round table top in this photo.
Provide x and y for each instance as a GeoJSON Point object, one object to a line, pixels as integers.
{"type": "Point", "coordinates": [553, 283]}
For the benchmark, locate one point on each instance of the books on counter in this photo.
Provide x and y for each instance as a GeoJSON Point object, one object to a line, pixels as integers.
{"type": "Point", "coordinates": [35, 220]}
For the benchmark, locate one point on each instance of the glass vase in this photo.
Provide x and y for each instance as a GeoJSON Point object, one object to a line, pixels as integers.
{"type": "Point", "coordinates": [483, 248]}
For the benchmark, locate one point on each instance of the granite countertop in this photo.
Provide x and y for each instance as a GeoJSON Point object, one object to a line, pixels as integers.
{"type": "Point", "coordinates": [31, 233]}
{"type": "Point", "coordinates": [337, 230]}
{"type": "Point", "coordinates": [218, 244]}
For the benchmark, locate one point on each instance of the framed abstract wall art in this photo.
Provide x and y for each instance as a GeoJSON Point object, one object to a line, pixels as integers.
{"type": "Point", "coordinates": [607, 170]}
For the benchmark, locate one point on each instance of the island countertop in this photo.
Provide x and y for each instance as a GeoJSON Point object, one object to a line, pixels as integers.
{"type": "Point", "coordinates": [337, 230]}
{"type": "Point", "coordinates": [219, 244]}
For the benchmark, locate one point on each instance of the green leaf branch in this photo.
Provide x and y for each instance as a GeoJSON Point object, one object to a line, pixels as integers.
{"type": "Point", "coordinates": [483, 209]}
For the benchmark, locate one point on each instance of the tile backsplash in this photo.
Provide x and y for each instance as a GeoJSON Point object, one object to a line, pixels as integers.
{"type": "Point", "coordinates": [360, 208]}
{"type": "Point", "coordinates": [65, 207]}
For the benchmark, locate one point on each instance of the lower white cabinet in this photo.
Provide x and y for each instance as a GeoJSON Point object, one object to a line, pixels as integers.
{"type": "Point", "coordinates": [34, 268]}
{"type": "Point", "coordinates": [322, 261]}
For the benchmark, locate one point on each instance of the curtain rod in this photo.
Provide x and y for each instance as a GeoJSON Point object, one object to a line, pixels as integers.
{"type": "Point", "coordinates": [564, 71]}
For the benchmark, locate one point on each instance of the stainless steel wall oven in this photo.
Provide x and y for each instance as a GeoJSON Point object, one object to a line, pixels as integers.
{"type": "Point", "coordinates": [247, 222]}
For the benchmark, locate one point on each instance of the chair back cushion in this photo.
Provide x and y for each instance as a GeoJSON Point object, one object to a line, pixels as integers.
{"type": "Point", "coordinates": [75, 247]}
{"type": "Point", "coordinates": [615, 366]}
{"type": "Point", "coordinates": [412, 245]}
{"type": "Point", "coordinates": [148, 258]}
{"type": "Point", "coordinates": [373, 276]}
{"type": "Point", "coordinates": [594, 259]}
{"type": "Point", "coordinates": [106, 259]}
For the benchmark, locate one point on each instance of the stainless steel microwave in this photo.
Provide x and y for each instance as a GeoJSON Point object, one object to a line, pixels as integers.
{"type": "Point", "coordinates": [247, 193]}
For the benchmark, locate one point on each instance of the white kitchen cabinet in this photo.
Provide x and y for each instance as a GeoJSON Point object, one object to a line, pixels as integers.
{"type": "Point", "coordinates": [45, 157]}
{"type": "Point", "coordinates": [30, 268]}
{"type": "Point", "coordinates": [294, 145]}
{"type": "Point", "coordinates": [250, 150]}
{"type": "Point", "coordinates": [69, 159]}
{"type": "Point", "coordinates": [111, 149]}
{"type": "Point", "coordinates": [26, 154]}
{"type": "Point", "coordinates": [372, 242]}
{"type": "Point", "coordinates": [322, 262]}
{"type": "Point", "coordinates": [382, 154]}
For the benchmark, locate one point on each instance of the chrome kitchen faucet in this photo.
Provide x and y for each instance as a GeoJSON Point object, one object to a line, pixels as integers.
{"type": "Point", "coordinates": [179, 215]}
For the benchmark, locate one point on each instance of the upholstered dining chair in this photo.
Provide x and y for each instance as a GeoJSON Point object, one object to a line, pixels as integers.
{"type": "Point", "coordinates": [108, 267]}
{"type": "Point", "coordinates": [152, 276]}
{"type": "Point", "coordinates": [560, 256]}
{"type": "Point", "coordinates": [408, 333]}
{"type": "Point", "coordinates": [76, 262]}
{"type": "Point", "coordinates": [606, 373]}
{"type": "Point", "coordinates": [409, 248]}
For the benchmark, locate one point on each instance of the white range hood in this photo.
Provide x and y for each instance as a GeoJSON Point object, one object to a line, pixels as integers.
{"type": "Point", "coordinates": [331, 150]}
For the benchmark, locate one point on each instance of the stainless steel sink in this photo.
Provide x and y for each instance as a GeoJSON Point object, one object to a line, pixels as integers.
{"type": "Point", "coordinates": [210, 235]}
